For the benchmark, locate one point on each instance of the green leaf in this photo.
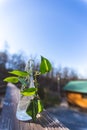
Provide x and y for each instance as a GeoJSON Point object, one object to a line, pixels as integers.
{"type": "Point", "coordinates": [40, 106]}
{"type": "Point", "coordinates": [45, 65]}
{"type": "Point", "coordinates": [11, 79]}
{"type": "Point", "coordinates": [29, 91]}
{"type": "Point", "coordinates": [34, 108]}
{"type": "Point", "coordinates": [19, 73]}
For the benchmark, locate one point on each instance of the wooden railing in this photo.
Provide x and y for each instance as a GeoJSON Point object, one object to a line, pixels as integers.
{"type": "Point", "coordinates": [8, 121]}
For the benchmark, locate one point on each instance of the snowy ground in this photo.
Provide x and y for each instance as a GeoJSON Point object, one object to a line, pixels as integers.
{"type": "Point", "coordinates": [71, 118]}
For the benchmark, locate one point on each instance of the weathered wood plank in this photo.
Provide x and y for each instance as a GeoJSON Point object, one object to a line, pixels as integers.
{"type": "Point", "coordinates": [45, 121]}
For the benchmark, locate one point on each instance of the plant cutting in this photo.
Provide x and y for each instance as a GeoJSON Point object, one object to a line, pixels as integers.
{"type": "Point", "coordinates": [29, 104]}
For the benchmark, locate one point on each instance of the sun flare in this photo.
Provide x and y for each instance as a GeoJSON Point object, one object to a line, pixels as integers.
{"type": "Point", "coordinates": [2, 1]}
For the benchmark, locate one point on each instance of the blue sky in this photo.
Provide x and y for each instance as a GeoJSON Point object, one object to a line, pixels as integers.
{"type": "Point", "coordinates": [56, 29]}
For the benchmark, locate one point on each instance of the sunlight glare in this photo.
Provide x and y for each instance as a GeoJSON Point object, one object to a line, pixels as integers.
{"type": "Point", "coordinates": [2, 1]}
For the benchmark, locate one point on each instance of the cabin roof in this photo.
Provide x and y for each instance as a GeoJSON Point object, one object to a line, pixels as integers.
{"type": "Point", "coordinates": [76, 86]}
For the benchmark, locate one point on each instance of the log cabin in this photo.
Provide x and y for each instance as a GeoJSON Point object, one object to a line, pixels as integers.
{"type": "Point", "coordinates": [76, 93]}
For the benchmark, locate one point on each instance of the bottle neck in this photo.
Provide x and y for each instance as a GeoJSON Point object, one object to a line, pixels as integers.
{"type": "Point", "coordinates": [29, 68]}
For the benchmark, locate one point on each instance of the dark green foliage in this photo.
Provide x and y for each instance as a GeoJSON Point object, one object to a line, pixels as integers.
{"type": "Point", "coordinates": [29, 91]}
{"type": "Point", "coordinates": [19, 73]}
{"type": "Point", "coordinates": [11, 79]}
{"type": "Point", "coordinates": [34, 108]}
{"type": "Point", "coordinates": [45, 65]}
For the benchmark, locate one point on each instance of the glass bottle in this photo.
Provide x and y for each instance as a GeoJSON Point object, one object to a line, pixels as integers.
{"type": "Point", "coordinates": [25, 100]}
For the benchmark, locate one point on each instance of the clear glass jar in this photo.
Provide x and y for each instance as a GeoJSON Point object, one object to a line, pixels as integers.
{"type": "Point", "coordinates": [25, 100]}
